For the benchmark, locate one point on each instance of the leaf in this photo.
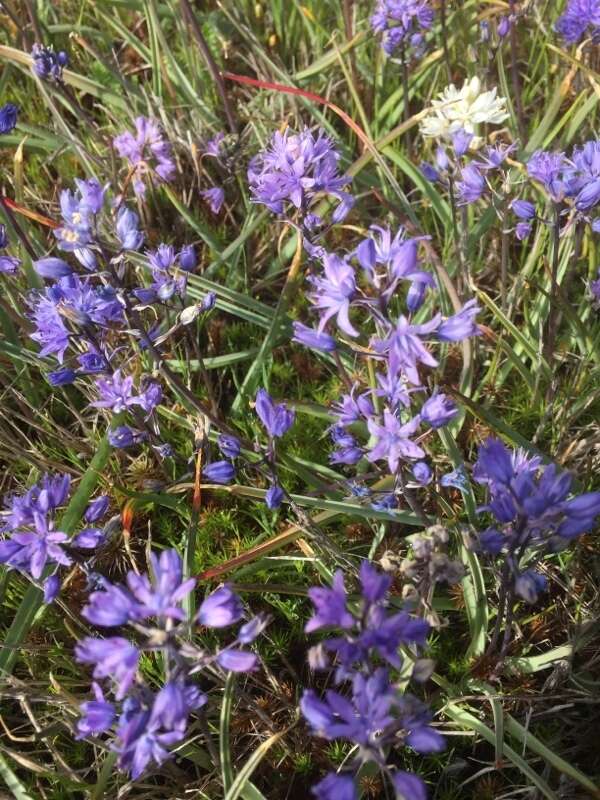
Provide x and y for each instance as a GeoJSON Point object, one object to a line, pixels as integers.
{"type": "Point", "coordinates": [224, 743]}
{"type": "Point", "coordinates": [242, 778]}
{"type": "Point", "coordinates": [13, 784]}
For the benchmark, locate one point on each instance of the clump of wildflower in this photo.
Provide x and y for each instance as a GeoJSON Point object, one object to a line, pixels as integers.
{"type": "Point", "coordinates": [534, 513]}
{"type": "Point", "coordinates": [579, 18]}
{"type": "Point", "coordinates": [148, 152]}
{"type": "Point", "coordinates": [403, 24]}
{"type": "Point", "coordinates": [48, 64]}
{"type": "Point", "coordinates": [34, 544]}
{"type": "Point", "coordinates": [142, 723]}
{"type": "Point", "coordinates": [8, 117]}
{"type": "Point", "coordinates": [294, 170]}
{"type": "Point", "coordinates": [372, 712]}
{"type": "Point", "coordinates": [464, 109]}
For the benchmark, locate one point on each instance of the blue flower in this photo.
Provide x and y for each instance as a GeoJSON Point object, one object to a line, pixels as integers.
{"type": "Point", "coordinates": [8, 119]}
{"type": "Point", "coordinates": [276, 417]}
{"type": "Point", "coordinates": [219, 472]}
{"type": "Point", "coordinates": [220, 609]}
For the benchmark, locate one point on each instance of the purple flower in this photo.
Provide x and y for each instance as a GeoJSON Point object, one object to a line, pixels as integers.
{"type": "Point", "coordinates": [9, 264]}
{"type": "Point", "coordinates": [51, 589]}
{"type": "Point", "coordinates": [294, 169]}
{"type": "Point", "coordinates": [214, 146]}
{"type": "Point", "coordinates": [110, 606]}
{"type": "Point", "coordinates": [219, 472]}
{"type": "Point", "coordinates": [408, 786]}
{"type": "Point", "coordinates": [274, 497]}
{"type": "Point", "coordinates": [403, 23]}
{"type": "Point", "coordinates": [129, 235]}
{"type": "Point", "coordinates": [97, 508]}
{"type": "Point", "coordinates": [97, 715]}
{"type": "Point", "coordinates": [461, 140]}
{"type": "Point", "coordinates": [124, 436]}
{"type": "Point", "coordinates": [215, 197]}
{"type": "Point", "coordinates": [92, 195]}
{"type": "Point", "coordinates": [422, 473]}
{"type": "Point", "coordinates": [47, 64]}
{"type": "Point", "coordinates": [230, 446]}
{"type": "Point", "coordinates": [548, 168]}
{"type": "Point", "coordinates": [52, 268]}
{"type": "Point", "coordinates": [276, 417]}
{"type": "Point", "coordinates": [61, 377]}
{"type": "Point", "coordinates": [522, 230]}
{"type": "Point", "coordinates": [471, 186]}
{"type": "Point", "coordinates": [188, 259]}
{"type": "Point", "coordinates": [114, 658]}
{"type": "Point", "coordinates": [460, 326]}
{"type": "Point", "coordinates": [523, 209]}
{"type": "Point", "coordinates": [578, 16]}
{"type": "Point", "coordinates": [220, 609]}
{"type": "Point", "coordinates": [148, 152]}
{"type": "Point", "coordinates": [335, 787]}
{"type": "Point", "coordinates": [392, 440]}
{"type": "Point", "coordinates": [8, 118]}
{"type": "Point", "coordinates": [116, 392]}
{"type": "Point", "coordinates": [330, 606]}
{"type": "Point", "coordinates": [333, 292]}
{"type": "Point", "coordinates": [235, 660]}
{"type": "Point", "coordinates": [89, 538]}
{"type": "Point", "coordinates": [313, 339]}
{"type": "Point", "coordinates": [438, 410]}
{"type": "Point", "coordinates": [161, 594]}
{"type": "Point", "coordinates": [405, 348]}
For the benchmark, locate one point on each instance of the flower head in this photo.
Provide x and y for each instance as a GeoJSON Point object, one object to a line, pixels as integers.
{"type": "Point", "coordinates": [463, 109]}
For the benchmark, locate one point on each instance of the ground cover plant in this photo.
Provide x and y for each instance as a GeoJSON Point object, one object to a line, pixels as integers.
{"type": "Point", "coordinates": [299, 362]}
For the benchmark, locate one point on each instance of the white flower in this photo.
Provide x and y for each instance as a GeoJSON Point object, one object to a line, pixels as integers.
{"type": "Point", "coordinates": [463, 109]}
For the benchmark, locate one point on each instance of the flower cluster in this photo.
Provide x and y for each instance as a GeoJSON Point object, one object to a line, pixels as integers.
{"type": "Point", "coordinates": [48, 64]}
{"type": "Point", "coordinates": [533, 510]}
{"type": "Point", "coordinates": [376, 714]}
{"type": "Point", "coordinates": [79, 212]}
{"type": "Point", "coordinates": [34, 544]}
{"type": "Point", "coordinates": [149, 154]}
{"type": "Point", "coordinates": [464, 109]}
{"type": "Point", "coordinates": [142, 723]}
{"type": "Point", "coordinates": [364, 302]}
{"type": "Point", "coordinates": [467, 175]}
{"type": "Point", "coordinates": [288, 176]}
{"type": "Point", "coordinates": [403, 24]}
{"type": "Point", "coordinates": [579, 18]}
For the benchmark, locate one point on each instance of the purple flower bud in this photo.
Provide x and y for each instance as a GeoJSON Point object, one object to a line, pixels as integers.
{"type": "Point", "coordinates": [314, 339]}
{"type": "Point", "coordinates": [220, 609]}
{"type": "Point", "coordinates": [97, 508]}
{"type": "Point", "coordinates": [503, 27]}
{"type": "Point", "coordinates": [86, 257]}
{"type": "Point", "coordinates": [422, 473]}
{"type": "Point", "coordinates": [208, 301]}
{"type": "Point", "coordinates": [123, 436]}
{"type": "Point", "coordinates": [523, 209]}
{"type": "Point", "coordinates": [61, 377]}
{"type": "Point", "coordinates": [337, 787]}
{"type": "Point", "coordinates": [52, 268]}
{"type": "Point", "coordinates": [416, 295]}
{"type": "Point", "coordinates": [438, 410]}
{"type": "Point", "coordinates": [408, 786]}
{"type": "Point", "coordinates": [277, 418]}
{"type": "Point", "coordinates": [230, 446]}
{"type": "Point", "coordinates": [219, 472]}
{"type": "Point", "coordinates": [215, 197]}
{"type": "Point", "coordinates": [127, 229]}
{"type": "Point", "coordinates": [529, 585]}
{"type": "Point", "coordinates": [98, 715]}
{"type": "Point", "coordinates": [188, 259]}
{"type": "Point", "coordinates": [237, 660]}
{"type": "Point", "coordinates": [3, 237]}
{"type": "Point", "coordinates": [441, 159]}
{"type": "Point", "coordinates": [51, 589]}
{"type": "Point", "coordinates": [9, 264]}
{"type": "Point", "coordinates": [250, 630]}
{"type": "Point", "coordinates": [89, 538]}
{"type": "Point", "coordinates": [522, 230]}
{"type": "Point", "coordinates": [429, 172]}
{"type": "Point", "coordinates": [274, 497]}
{"type": "Point", "coordinates": [461, 141]}
{"type": "Point", "coordinates": [589, 196]}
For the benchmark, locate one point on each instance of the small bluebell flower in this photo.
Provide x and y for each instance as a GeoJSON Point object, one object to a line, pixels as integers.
{"type": "Point", "coordinates": [8, 119]}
